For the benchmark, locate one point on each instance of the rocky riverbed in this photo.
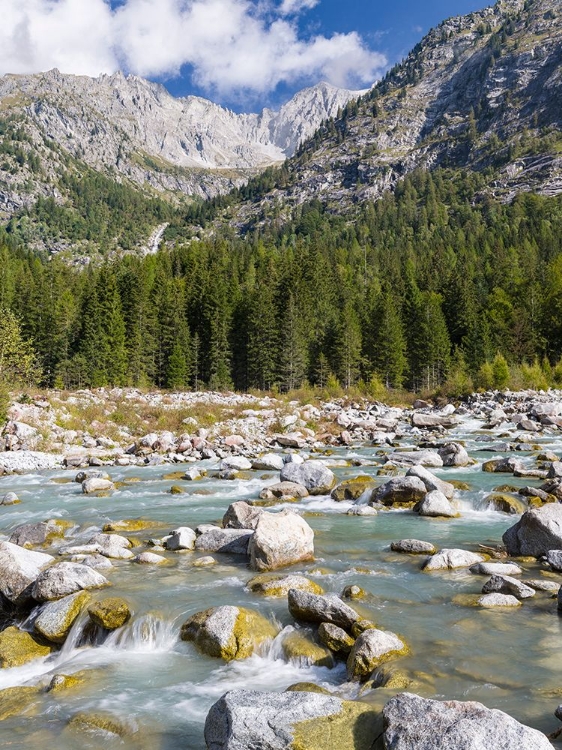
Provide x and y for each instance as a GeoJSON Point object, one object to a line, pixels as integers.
{"type": "Point", "coordinates": [285, 575]}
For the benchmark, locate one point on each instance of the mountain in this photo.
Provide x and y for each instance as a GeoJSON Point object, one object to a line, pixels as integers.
{"type": "Point", "coordinates": [133, 129]}
{"type": "Point", "coordinates": [479, 92]}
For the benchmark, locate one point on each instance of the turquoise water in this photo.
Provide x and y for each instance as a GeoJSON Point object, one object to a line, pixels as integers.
{"type": "Point", "coordinates": [143, 674]}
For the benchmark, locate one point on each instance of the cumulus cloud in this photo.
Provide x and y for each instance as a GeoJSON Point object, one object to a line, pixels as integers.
{"type": "Point", "coordinates": [230, 45]}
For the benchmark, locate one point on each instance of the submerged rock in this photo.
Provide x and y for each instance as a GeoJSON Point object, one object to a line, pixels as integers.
{"type": "Point", "coordinates": [272, 585]}
{"type": "Point", "coordinates": [414, 723]}
{"type": "Point", "coordinates": [244, 719]}
{"type": "Point", "coordinates": [280, 539]}
{"type": "Point", "coordinates": [228, 632]}
{"type": "Point", "coordinates": [298, 646]}
{"type": "Point", "coordinates": [17, 647]}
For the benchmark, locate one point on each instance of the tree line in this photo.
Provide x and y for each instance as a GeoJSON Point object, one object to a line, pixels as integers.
{"type": "Point", "coordinates": [437, 282]}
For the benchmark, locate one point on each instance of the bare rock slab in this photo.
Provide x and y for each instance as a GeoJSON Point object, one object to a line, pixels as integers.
{"type": "Point", "coordinates": [280, 539]}
{"type": "Point", "coordinates": [414, 723]}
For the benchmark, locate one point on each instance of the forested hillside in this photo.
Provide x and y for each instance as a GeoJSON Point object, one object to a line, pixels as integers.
{"type": "Point", "coordinates": [422, 286]}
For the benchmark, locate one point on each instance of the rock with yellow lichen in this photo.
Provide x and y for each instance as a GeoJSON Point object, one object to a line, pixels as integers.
{"type": "Point", "coordinates": [228, 632]}
{"type": "Point", "coordinates": [17, 647]}
{"type": "Point", "coordinates": [110, 613]}
{"type": "Point", "coordinates": [295, 720]}
{"type": "Point", "coordinates": [275, 585]}
{"type": "Point", "coordinates": [56, 618]}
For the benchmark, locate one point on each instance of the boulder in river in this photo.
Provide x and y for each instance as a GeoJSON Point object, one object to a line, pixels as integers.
{"type": "Point", "coordinates": [244, 719]}
{"type": "Point", "coordinates": [228, 541]}
{"type": "Point", "coordinates": [415, 723]}
{"type": "Point", "coordinates": [498, 600]}
{"type": "Point", "coordinates": [436, 505]}
{"type": "Point", "coordinates": [284, 492]}
{"type": "Point", "coordinates": [454, 454]}
{"type": "Point", "coordinates": [181, 538]}
{"type": "Point", "coordinates": [449, 559]}
{"type": "Point", "coordinates": [415, 458]}
{"type": "Point", "coordinates": [316, 609]}
{"type": "Point", "coordinates": [241, 515]}
{"type": "Point", "coordinates": [537, 531]}
{"type": "Point", "coordinates": [280, 539]}
{"type": "Point", "coordinates": [314, 475]}
{"type": "Point", "coordinates": [57, 617]}
{"type": "Point", "coordinates": [41, 533]}
{"type": "Point", "coordinates": [17, 647]}
{"type": "Point", "coordinates": [268, 462]}
{"type": "Point", "coordinates": [110, 613]}
{"type": "Point", "coordinates": [19, 569]}
{"type": "Point", "coordinates": [334, 638]}
{"type": "Point", "coordinates": [351, 490]}
{"type": "Point", "coordinates": [66, 578]}
{"type": "Point", "coordinates": [432, 482]}
{"type": "Point", "coordinates": [400, 490]}
{"type": "Point", "coordinates": [413, 547]}
{"type": "Point", "coordinates": [502, 584]}
{"type": "Point", "coordinates": [93, 486]}
{"type": "Point", "coordinates": [373, 647]}
{"type": "Point", "coordinates": [228, 632]}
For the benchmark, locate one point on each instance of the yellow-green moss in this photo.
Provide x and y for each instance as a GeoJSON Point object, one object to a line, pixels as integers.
{"type": "Point", "coordinates": [272, 585]}
{"type": "Point", "coordinates": [352, 489]}
{"type": "Point", "coordinates": [61, 682]}
{"type": "Point", "coordinates": [96, 722]}
{"type": "Point", "coordinates": [506, 503]}
{"type": "Point", "coordinates": [15, 700]}
{"type": "Point", "coordinates": [299, 647]}
{"type": "Point", "coordinates": [355, 726]}
{"type": "Point", "coordinates": [110, 613]}
{"type": "Point", "coordinates": [306, 687]}
{"type": "Point", "coordinates": [18, 647]}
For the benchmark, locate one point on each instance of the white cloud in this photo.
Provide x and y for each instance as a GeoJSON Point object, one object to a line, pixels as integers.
{"type": "Point", "coordinates": [233, 46]}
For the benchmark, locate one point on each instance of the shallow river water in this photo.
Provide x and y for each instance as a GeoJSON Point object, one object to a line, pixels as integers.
{"type": "Point", "coordinates": [143, 674]}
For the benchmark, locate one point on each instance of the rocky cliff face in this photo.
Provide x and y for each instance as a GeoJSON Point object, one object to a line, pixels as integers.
{"type": "Point", "coordinates": [481, 91]}
{"type": "Point", "coordinates": [136, 130]}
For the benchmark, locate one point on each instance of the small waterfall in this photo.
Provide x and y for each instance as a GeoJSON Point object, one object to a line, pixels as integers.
{"type": "Point", "coordinates": [146, 634]}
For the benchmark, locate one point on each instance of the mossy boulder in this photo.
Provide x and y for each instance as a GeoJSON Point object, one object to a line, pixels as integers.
{"type": "Point", "coordinates": [389, 677]}
{"type": "Point", "coordinates": [295, 720]}
{"type": "Point", "coordinates": [300, 647]}
{"type": "Point", "coordinates": [274, 585]}
{"type": "Point", "coordinates": [175, 489]}
{"type": "Point", "coordinates": [228, 632]}
{"type": "Point", "coordinates": [15, 700]}
{"type": "Point", "coordinates": [56, 618]}
{"type": "Point", "coordinates": [505, 503]}
{"type": "Point", "coordinates": [351, 490]}
{"type": "Point", "coordinates": [110, 613]}
{"type": "Point", "coordinates": [335, 639]}
{"type": "Point", "coordinates": [17, 647]}
{"type": "Point", "coordinates": [372, 648]}
{"type": "Point", "coordinates": [41, 534]}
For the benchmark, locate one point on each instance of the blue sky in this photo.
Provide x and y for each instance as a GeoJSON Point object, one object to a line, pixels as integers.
{"type": "Point", "coordinates": [244, 54]}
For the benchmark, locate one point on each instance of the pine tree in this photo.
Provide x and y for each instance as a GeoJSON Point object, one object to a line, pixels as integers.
{"type": "Point", "coordinates": [390, 343]}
